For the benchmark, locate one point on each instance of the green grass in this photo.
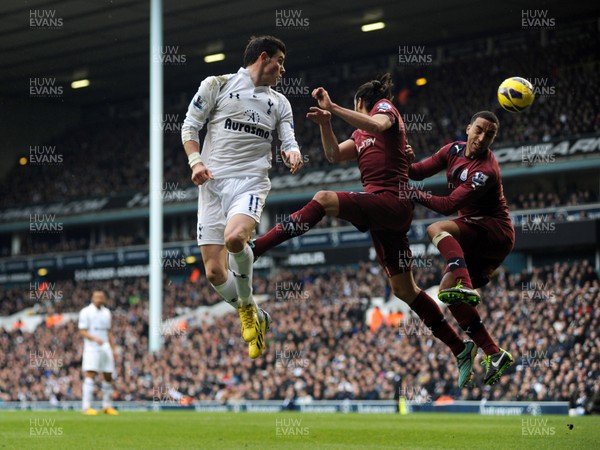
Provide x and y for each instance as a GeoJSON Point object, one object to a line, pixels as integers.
{"type": "Point", "coordinates": [183, 430]}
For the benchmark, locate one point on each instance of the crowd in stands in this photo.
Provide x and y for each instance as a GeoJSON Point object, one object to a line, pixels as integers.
{"type": "Point", "coordinates": [567, 68]}
{"type": "Point", "coordinates": [320, 346]}
{"type": "Point", "coordinates": [67, 296]}
{"type": "Point", "coordinates": [537, 200]}
{"type": "Point", "coordinates": [121, 236]}
{"type": "Point", "coordinates": [558, 75]}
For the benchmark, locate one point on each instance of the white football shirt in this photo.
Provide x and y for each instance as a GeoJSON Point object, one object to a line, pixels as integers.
{"type": "Point", "coordinates": [97, 322]}
{"type": "Point", "coordinates": [241, 120]}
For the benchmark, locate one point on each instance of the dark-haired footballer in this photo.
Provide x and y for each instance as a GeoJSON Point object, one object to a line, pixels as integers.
{"type": "Point", "coordinates": [240, 111]}
{"type": "Point", "coordinates": [384, 208]}
{"type": "Point", "coordinates": [476, 243]}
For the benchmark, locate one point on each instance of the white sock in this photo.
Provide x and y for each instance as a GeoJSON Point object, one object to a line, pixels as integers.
{"type": "Point", "coordinates": [87, 393]}
{"type": "Point", "coordinates": [241, 265]}
{"type": "Point", "coordinates": [106, 394]}
{"type": "Point", "coordinates": [228, 290]}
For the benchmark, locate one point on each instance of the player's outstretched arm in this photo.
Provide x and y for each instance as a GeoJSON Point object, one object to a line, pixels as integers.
{"type": "Point", "coordinates": [428, 167]}
{"type": "Point", "coordinates": [458, 199]}
{"type": "Point", "coordinates": [376, 124]}
{"type": "Point", "coordinates": [334, 152]}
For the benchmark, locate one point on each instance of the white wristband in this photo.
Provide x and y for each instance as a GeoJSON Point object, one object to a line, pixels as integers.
{"type": "Point", "coordinates": [194, 159]}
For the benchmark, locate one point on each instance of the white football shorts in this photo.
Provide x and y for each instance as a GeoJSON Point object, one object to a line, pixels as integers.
{"type": "Point", "coordinates": [220, 200]}
{"type": "Point", "coordinates": [98, 359]}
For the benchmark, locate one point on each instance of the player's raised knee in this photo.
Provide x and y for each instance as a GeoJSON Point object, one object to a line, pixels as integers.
{"type": "Point", "coordinates": [325, 198]}
{"type": "Point", "coordinates": [433, 230]}
{"type": "Point", "coordinates": [328, 200]}
{"type": "Point", "coordinates": [235, 240]}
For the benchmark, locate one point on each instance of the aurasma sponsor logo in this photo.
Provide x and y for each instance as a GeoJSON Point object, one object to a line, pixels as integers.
{"type": "Point", "coordinates": [246, 128]}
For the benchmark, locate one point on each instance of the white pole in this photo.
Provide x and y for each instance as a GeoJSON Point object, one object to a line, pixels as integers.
{"type": "Point", "coordinates": [156, 175]}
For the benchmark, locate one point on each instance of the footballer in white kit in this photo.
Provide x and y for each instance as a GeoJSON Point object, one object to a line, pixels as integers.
{"type": "Point", "coordinates": [98, 353]}
{"type": "Point", "coordinates": [231, 171]}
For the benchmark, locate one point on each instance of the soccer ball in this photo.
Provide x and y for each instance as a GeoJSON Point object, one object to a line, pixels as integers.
{"type": "Point", "coordinates": [515, 94]}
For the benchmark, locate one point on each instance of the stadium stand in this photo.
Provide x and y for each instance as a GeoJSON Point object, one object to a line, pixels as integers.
{"type": "Point", "coordinates": [321, 346]}
{"type": "Point", "coordinates": [137, 233]}
{"type": "Point", "coordinates": [572, 61]}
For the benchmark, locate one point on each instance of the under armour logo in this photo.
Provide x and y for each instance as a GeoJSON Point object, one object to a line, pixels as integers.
{"type": "Point", "coordinates": [239, 275]}
{"type": "Point", "coordinates": [270, 103]}
{"type": "Point", "coordinates": [236, 95]}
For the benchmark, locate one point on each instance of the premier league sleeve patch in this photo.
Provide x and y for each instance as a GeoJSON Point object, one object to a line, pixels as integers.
{"type": "Point", "coordinates": [384, 107]}
{"type": "Point", "coordinates": [478, 180]}
{"type": "Point", "coordinates": [199, 102]}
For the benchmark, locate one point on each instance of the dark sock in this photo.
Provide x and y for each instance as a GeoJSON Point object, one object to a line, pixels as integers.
{"type": "Point", "coordinates": [455, 259]}
{"type": "Point", "coordinates": [297, 224]}
{"type": "Point", "coordinates": [433, 318]}
{"type": "Point", "coordinates": [469, 320]}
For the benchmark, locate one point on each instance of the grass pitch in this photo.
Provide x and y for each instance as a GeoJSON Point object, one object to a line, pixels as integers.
{"type": "Point", "coordinates": [191, 430]}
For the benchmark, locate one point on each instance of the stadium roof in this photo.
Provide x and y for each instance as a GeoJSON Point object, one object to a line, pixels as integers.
{"type": "Point", "coordinates": [108, 41]}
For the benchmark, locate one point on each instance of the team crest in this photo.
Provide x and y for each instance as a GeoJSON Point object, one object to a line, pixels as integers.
{"type": "Point", "coordinates": [464, 174]}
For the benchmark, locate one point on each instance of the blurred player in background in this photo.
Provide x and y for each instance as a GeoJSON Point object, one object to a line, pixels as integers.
{"type": "Point", "coordinates": [476, 243]}
{"type": "Point", "coordinates": [379, 145]}
{"type": "Point", "coordinates": [98, 353]}
{"type": "Point", "coordinates": [231, 171]}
